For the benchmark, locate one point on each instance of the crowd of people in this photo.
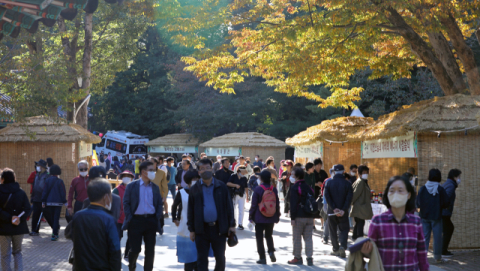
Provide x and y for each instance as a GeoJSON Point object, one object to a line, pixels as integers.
{"type": "Point", "coordinates": [209, 201]}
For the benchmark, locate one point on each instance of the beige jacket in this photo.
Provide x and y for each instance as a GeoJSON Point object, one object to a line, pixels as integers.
{"type": "Point", "coordinates": [162, 182]}
{"type": "Point", "coordinates": [355, 260]}
{"type": "Point", "coordinates": [361, 200]}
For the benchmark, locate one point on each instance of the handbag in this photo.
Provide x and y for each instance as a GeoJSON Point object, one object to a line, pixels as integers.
{"type": "Point", "coordinates": [232, 239]}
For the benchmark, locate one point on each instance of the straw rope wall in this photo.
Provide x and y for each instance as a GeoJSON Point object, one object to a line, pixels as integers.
{"type": "Point", "coordinates": [277, 153]}
{"type": "Point", "coordinates": [462, 152]}
{"type": "Point", "coordinates": [21, 156]}
{"type": "Point", "coordinates": [382, 169]}
{"type": "Point", "coordinates": [349, 153]}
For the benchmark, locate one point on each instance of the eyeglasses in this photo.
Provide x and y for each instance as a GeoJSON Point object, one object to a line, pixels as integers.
{"type": "Point", "coordinates": [83, 169]}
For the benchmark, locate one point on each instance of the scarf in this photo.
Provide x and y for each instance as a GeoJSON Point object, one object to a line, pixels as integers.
{"type": "Point", "coordinates": [432, 187]}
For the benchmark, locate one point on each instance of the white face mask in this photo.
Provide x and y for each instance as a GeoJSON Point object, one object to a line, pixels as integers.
{"type": "Point", "coordinates": [353, 173]}
{"type": "Point", "coordinates": [292, 179]}
{"type": "Point", "coordinates": [412, 182]}
{"type": "Point", "coordinates": [83, 173]}
{"type": "Point", "coordinates": [270, 167]}
{"type": "Point", "coordinates": [240, 175]}
{"type": "Point", "coordinates": [109, 206]}
{"type": "Point", "coordinates": [458, 180]}
{"type": "Point", "coordinates": [365, 176]}
{"type": "Point", "coordinates": [126, 180]}
{"type": "Point", "coordinates": [398, 200]}
{"type": "Point", "coordinates": [219, 161]}
{"type": "Point", "coordinates": [256, 159]}
{"type": "Point", "coordinates": [258, 181]}
{"type": "Point", "coordinates": [39, 169]}
{"type": "Point", "coordinates": [193, 183]}
{"type": "Point", "coordinates": [151, 175]}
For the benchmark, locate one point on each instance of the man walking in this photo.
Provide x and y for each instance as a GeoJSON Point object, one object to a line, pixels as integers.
{"type": "Point", "coordinates": [243, 162]}
{"type": "Point", "coordinates": [217, 165]}
{"type": "Point", "coordinates": [258, 162]}
{"type": "Point", "coordinates": [160, 179]}
{"type": "Point", "coordinates": [78, 189]}
{"type": "Point", "coordinates": [450, 186]}
{"type": "Point", "coordinates": [172, 186]}
{"type": "Point", "coordinates": [210, 217]}
{"type": "Point", "coordinates": [238, 184]}
{"type": "Point", "coordinates": [143, 208]}
{"type": "Point", "coordinates": [223, 174]}
{"type": "Point", "coordinates": [338, 194]}
{"type": "Point", "coordinates": [94, 233]}
{"type": "Point", "coordinates": [36, 196]}
{"type": "Point", "coordinates": [185, 166]}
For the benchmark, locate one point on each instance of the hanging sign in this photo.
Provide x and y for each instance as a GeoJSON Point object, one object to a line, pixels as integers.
{"type": "Point", "coordinates": [395, 147]}
{"type": "Point", "coordinates": [223, 151]}
{"type": "Point", "coordinates": [85, 149]}
{"type": "Point", "coordinates": [172, 149]}
{"type": "Point", "coordinates": [309, 151]}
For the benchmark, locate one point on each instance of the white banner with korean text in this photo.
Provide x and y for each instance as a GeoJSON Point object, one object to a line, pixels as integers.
{"type": "Point", "coordinates": [85, 149]}
{"type": "Point", "coordinates": [310, 151]}
{"type": "Point", "coordinates": [395, 147]}
{"type": "Point", "coordinates": [173, 149]}
{"type": "Point", "coordinates": [223, 151]}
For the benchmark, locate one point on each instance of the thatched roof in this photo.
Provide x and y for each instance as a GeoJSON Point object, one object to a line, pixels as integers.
{"type": "Point", "coordinates": [43, 129]}
{"type": "Point", "coordinates": [174, 140]}
{"type": "Point", "coordinates": [455, 112]}
{"type": "Point", "coordinates": [243, 140]}
{"type": "Point", "coordinates": [334, 130]}
{"type": "Point", "coordinates": [478, 117]}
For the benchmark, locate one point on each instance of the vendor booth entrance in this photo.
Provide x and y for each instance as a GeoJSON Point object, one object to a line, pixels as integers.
{"type": "Point", "coordinates": [176, 144]}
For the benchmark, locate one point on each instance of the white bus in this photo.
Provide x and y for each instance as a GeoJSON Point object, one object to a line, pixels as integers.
{"type": "Point", "coordinates": [122, 143]}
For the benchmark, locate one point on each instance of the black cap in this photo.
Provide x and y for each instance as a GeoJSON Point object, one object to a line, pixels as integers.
{"type": "Point", "coordinates": [96, 172]}
{"type": "Point", "coordinates": [338, 167]}
{"type": "Point", "coordinates": [41, 163]}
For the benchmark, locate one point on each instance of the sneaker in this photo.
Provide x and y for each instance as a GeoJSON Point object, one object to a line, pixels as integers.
{"type": "Point", "coordinates": [272, 256]}
{"type": "Point", "coordinates": [342, 253]}
{"type": "Point", "coordinates": [165, 215]}
{"type": "Point", "coordinates": [54, 238]}
{"type": "Point", "coordinates": [447, 254]}
{"type": "Point", "coordinates": [442, 260]}
{"type": "Point", "coordinates": [34, 233]}
{"type": "Point", "coordinates": [262, 261]}
{"type": "Point", "coordinates": [240, 227]}
{"type": "Point", "coordinates": [296, 261]}
{"type": "Point", "coordinates": [335, 253]}
{"type": "Point", "coordinates": [325, 242]}
{"type": "Point", "coordinates": [310, 261]}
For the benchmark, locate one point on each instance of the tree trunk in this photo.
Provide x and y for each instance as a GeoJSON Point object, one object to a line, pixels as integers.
{"type": "Point", "coordinates": [464, 52]}
{"type": "Point", "coordinates": [477, 33]}
{"type": "Point", "coordinates": [422, 50]}
{"type": "Point", "coordinates": [82, 116]}
{"type": "Point", "coordinates": [444, 53]}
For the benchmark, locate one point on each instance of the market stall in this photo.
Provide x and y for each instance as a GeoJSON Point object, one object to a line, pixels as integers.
{"type": "Point", "coordinates": [246, 144]}
{"type": "Point", "coordinates": [40, 137]}
{"type": "Point", "coordinates": [173, 144]}
{"type": "Point", "coordinates": [443, 133]}
{"type": "Point", "coordinates": [328, 140]}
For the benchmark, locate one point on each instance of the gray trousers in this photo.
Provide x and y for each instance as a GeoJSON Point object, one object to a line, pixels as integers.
{"type": "Point", "coordinates": [11, 244]}
{"type": "Point", "coordinates": [303, 227]}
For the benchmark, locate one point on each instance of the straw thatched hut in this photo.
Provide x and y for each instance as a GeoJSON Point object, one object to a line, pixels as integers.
{"type": "Point", "coordinates": [331, 137]}
{"type": "Point", "coordinates": [40, 137]}
{"type": "Point", "coordinates": [174, 143]}
{"type": "Point", "coordinates": [447, 134]}
{"type": "Point", "coordinates": [246, 144]}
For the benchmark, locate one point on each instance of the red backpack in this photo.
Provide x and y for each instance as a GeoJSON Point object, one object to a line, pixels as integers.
{"type": "Point", "coordinates": [268, 205]}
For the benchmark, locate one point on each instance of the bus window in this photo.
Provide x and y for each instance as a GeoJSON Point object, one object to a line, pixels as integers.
{"type": "Point", "coordinates": [137, 149]}
{"type": "Point", "coordinates": [116, 146]}
{"type": "Point", "coordinates": [101, 144]}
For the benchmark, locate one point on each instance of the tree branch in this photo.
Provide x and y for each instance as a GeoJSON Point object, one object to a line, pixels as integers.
{"type": "Point", "coordinates": [310, 11]}
{"type": "Point", "coordinates": [351, 35]}
{"type": "Point", "coordinates": [391, 33]}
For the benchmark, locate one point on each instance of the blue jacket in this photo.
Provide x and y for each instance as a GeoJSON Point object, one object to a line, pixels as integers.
{"type": "Point", "coordinates": [131, 199]}
{"type": "Point", "coordinates": [95, 239]}
{"type": "Point", "coordinates": [431, 206]}
{"type": "Point", "coordinates": [252, 183]}
{"type": "Point", "coordinates": [450, 187]}
{"type": "Point", "coordinates": [338, 194]}
{"type": "Point", "coordinates": [54, 193]}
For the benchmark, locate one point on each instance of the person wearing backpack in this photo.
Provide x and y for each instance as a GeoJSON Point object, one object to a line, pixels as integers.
{"type": "Point", "coordinates": [303, 208]}
{"type": "Point", "coordinates": [265, 212]}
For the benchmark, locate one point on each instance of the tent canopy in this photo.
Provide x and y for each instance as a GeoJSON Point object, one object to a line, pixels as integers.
{"type": "Point", "coordinates": [44, 129]}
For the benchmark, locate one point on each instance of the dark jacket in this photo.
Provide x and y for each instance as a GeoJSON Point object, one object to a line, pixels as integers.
{"type": "Point", "coordinates": [116, 206]}
{"type": "Point", "coordinates": [223, 175]}
{"type": "Point", "coordinates": [96, 243]}
{"type": "Point", "coordinates": [338, 193]}
{"type": "Point", "coordinates": [298, 194]}
{"type": "Point", "coordinates": [107, 165]}
{"type": "Point", "coordinates": [240, 181]}
{"type": "Point", "coordinates": [255, 213]}
{"type": "Point", "coordinates": [54, 193]}
{"type": "Point", "coordinates": [320, 177]}
{"type": "Point", "coordinates": [17, 204]}
{"type": "Point", "coordinates": [131, 199]}
{"type": "Point", "coordinates": [253, 183]}
{"type": "Point", "coordinates": [178, 177]}
{"type": "Point", "coordinates": [38, 186]}
{"type": "Point", "coordinates": [450, 186]}
{"type": "Point", "coordinates": [431, 206]}
{"type": "Point", "coordinates": [223, 203]}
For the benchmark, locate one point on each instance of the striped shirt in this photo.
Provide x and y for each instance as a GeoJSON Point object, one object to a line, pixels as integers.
{"type": "Point", "coordinates": [401, 244]}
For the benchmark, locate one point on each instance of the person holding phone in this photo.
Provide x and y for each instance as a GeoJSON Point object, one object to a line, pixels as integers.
{"type": "Point", "coordinates": [13, 202]}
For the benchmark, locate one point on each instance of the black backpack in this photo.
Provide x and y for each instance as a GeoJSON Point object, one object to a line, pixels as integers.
{"type": "Point", "coordinates": [309, 204]}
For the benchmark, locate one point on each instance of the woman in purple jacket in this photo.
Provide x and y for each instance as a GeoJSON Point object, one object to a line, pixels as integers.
{"type": "Point", "coordinates": [263, 223]}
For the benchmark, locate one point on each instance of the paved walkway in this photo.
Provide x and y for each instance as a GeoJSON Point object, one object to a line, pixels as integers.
{"type": "Point", "coordinates": [41, 254]}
